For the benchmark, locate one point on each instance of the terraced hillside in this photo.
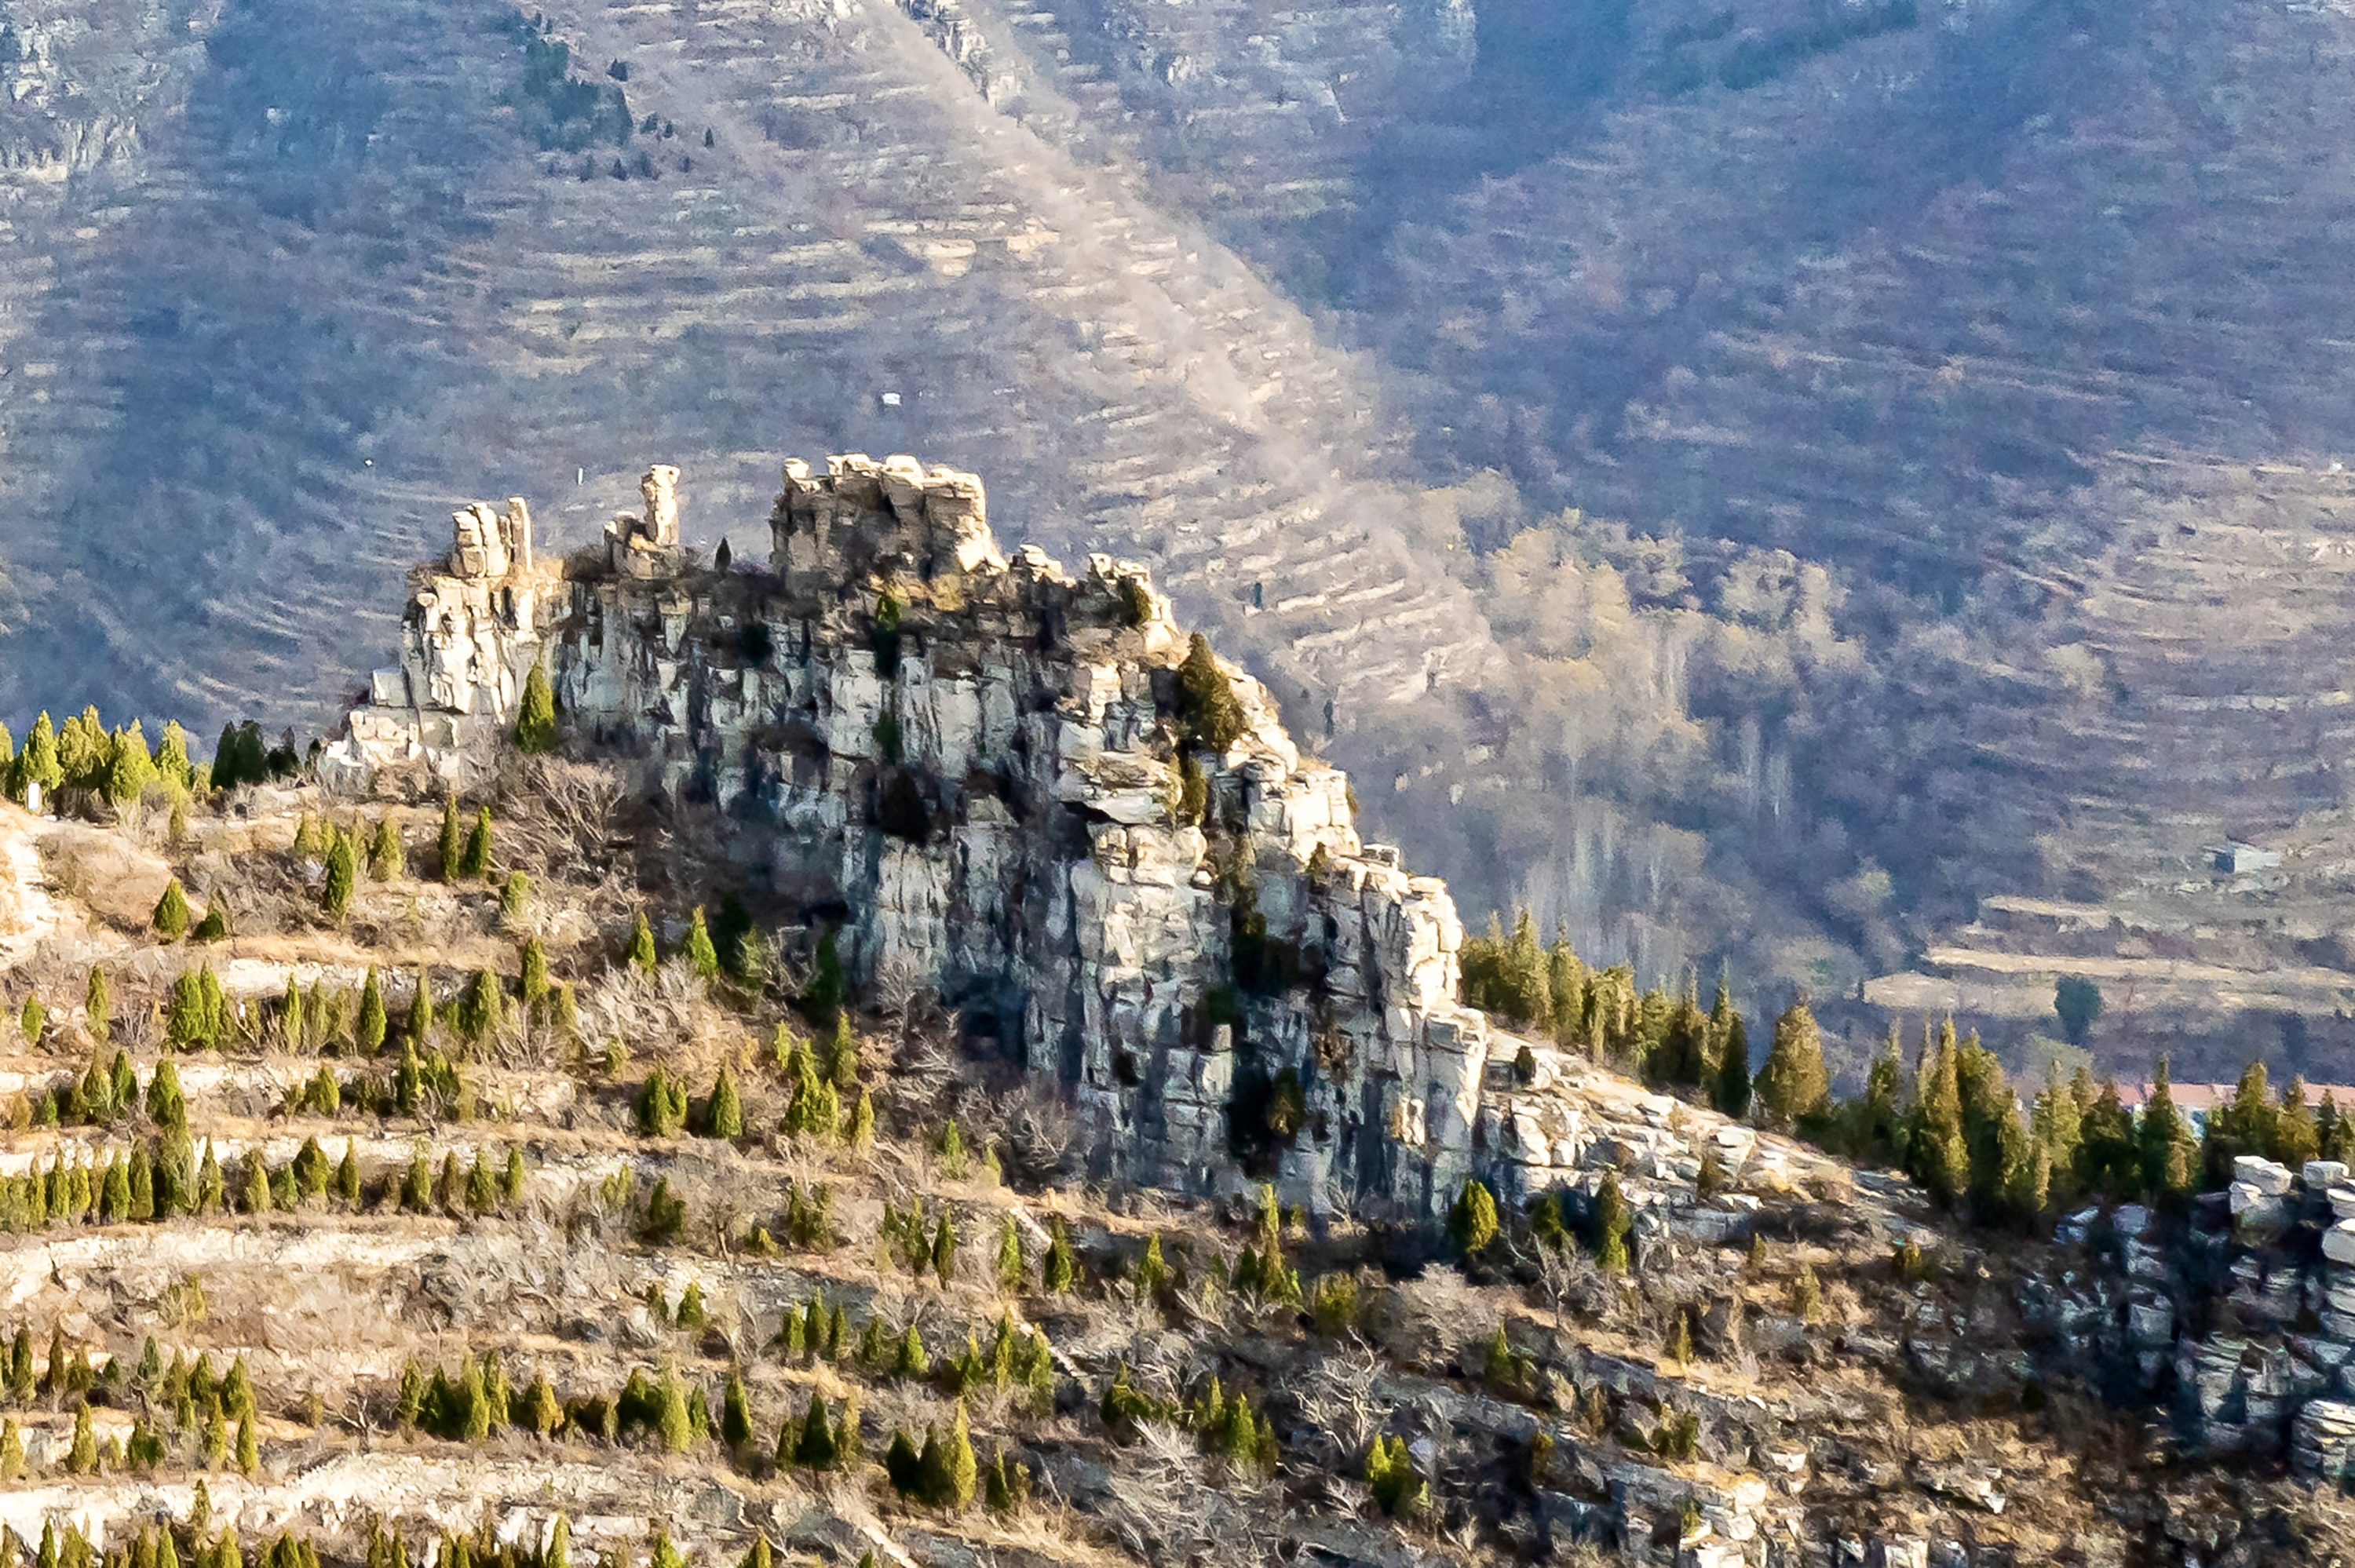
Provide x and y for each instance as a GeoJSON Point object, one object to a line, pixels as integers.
{"type": "Point", "coordinates": [583, 1247]}
{"type": "Point", "coordinates": [1876, 328]}
{"type": "Point", "coordinates": [1952, 301]}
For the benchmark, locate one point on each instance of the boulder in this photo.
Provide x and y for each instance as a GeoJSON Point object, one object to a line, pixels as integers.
{"type": "Point", "coordinates": [2264, 1175]}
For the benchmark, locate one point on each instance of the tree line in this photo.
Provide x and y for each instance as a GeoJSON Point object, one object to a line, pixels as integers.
{"type": "Point", "coordinates": [1952, 1118]}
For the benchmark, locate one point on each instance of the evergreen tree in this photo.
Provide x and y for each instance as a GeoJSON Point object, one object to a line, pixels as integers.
{"type": "Point", "coordinates": [474, 861]}
{"type": "Point", "coordinates": [387, 858]}
{"type": "Point", "coordinates": [2164, 1143]}
{"type": "Point", "coordinates": [861, 1133]}
{"type": "Point", "coordinates": [1207, 706]}
{"type": "Point", "coordinates": [1061, 1273]}
{"type": "Point", "coordinates": [39, 763]}
{"type": "Point", "coordinates": [171, 917]}
{"type": "Point", "coordinates": [701, 956]}
{"type": "Point", "coordinates": [421, 1010]}
{"type": "Point", "coordinates": [368, 1031]}
{"type": "Point", "coordinates": [1793, 1083]}
{"type": "Point", "coordinates": [1939, 1152]}
{"type": "Point", "coordinates": [1472, 1223]}
{"type": "Point", "coordinates": [172, 764]}
{"type": "Point", "coordinates": [945, 1250]}
{"type": "Point", "coordinates": [827, 989]}
{"type": "Point", "coordinates": [2056, 1126]}
{"type": "Point", "coordinates": [2295, 1136]}
{"type": "Point", "coordinates": [641, 944]}
{"type": "Point", "coordinates": [535, 730]}
{"type": "Point", "coordinates": [1612, 1225]}
{"type": "Point", "coordinates": [482, 1007]}
{"type": "Point", "coordinates": [130, 767]}
{"type": "Point", "coordinates": [249, 1452]}
{"type": "Point", "coordinates": [842, 1066]}
{"type": "Point", "coordinates": [515, 898]}
{"type": "Point", "coordinates": [2109, 1160]}
{"type": "Point", "coordinates": [97, 1007]}
{"type": "Point", "coordinates": [735, 1411]}
{"type": "Point", "coordinates": [814, 1445]}
{"type": "Point", "coordinates": [165, 1105]}
{"type": "Point", "coordinates": [1013, 1275]}
{"type": "Point", "coordinates": [1730, 1091]}
{"type": "Point", "coordinates": [677, 1434]}
{"type": "Point", "coordinates": [343, 873]}
{"type": "Point", "coordinates": [725, 1116]}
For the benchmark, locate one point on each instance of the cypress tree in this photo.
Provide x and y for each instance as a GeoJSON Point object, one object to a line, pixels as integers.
{"type": "Point", "coordinates": [82, 1458]}
{"type": "Point", "coordinates": [641, 944]}
{"type": "Point", "coordinates": [945, 1250]}
{"type": "Point", "coordinates": [816, 1448]}
{"type": "Point", "coordinates": [725, 1115]}
{"type": "Point", "coordinates": [861, 1132]}
{"type": "Point", "coordinates": [482, 1192]}
{"type": "Point", "coordinates": [1611, 1225]}
{"type": "Point", "coordinates": [842, 1066]}
{"type": "Point", "coordinates": [2295, 1136]}
{"type": "Point", "coordinates": [172, 764]}
{"type": "Point", "coordinates": [2164, 1143]}
{"type": "Point", "coordinates": [701, 956]}
{"type": "Point", "coordinates": [343, 873]}
{"type": "Point", "coordinates": [958, 1469]}
{"type": "Point", "coordinates": [535, 730]}
{"type": "Point", "coordinates": [735, 1413]}
{"type": "Point", "coordinates": [533, 986]}
{"type": "Point", "coordinates": [482, 1008]}
{"type": "Point", "coordinates": [451, 847]}
{"type": "Point", "coordinates": [1206, 706]}
{"type": "Point", "coordinates": [387, 857]}
{"type": "Point", "coordinates": [1473, 1222]}
{"type": "Point", "coordinates": [421, 1008]}
{"type": "Point", "coordinates": [1060, 1272]}
{"type": "Point", "coordinates": [1793, 1083]}
{"type": "Point", "coordinates": [96, 1005]}
{"type": "Point", "coordinates": [254, 1194]}
{"type": "Point", "coordinates": [39, 763]}
{"type": "Point", "coordinates": [130, 767]}
{"type": "Point", "coordinates": [171, 917]}
{"type": "Point", "coordinates": [1730, 1091]}
{"type": "Point", "coordinates": [348, 1177]}
{"type": "Point", "coordinates": [474, 861]}
{"type": "Point", "coordinates": [677, 1433]}
{"type": "Point", "coordinates": [208, 1183]}
{"type": "Point", "coordinates": [368, 1033]}
{"type": "Point", "coordinates": [1939, 1150]}
{"type": "Point", "coordinates": [1012, 1273]}
{"type": "Point", "coordinates": [511, 1179]}
{"type": "Point", "coordinates": [249, 1452]}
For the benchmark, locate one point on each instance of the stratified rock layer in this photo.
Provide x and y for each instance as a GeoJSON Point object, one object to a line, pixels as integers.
{"type": "Point", "coordinates": [979, 758]}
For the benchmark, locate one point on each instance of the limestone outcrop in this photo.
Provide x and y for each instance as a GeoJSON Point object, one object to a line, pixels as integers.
{"type": "Point", "coordinates": [981, 759]}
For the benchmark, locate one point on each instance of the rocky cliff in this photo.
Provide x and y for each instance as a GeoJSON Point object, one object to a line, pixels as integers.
{"type": "Point", "coordinates": [981, 762]}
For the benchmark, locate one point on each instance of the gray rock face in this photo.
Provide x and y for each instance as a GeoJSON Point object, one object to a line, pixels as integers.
{"type": "Point", "coordinates": [980, 757]}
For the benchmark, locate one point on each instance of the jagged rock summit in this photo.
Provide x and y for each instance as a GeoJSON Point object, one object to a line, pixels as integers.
{"type": "Point", "coordinates": [987, 763]}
